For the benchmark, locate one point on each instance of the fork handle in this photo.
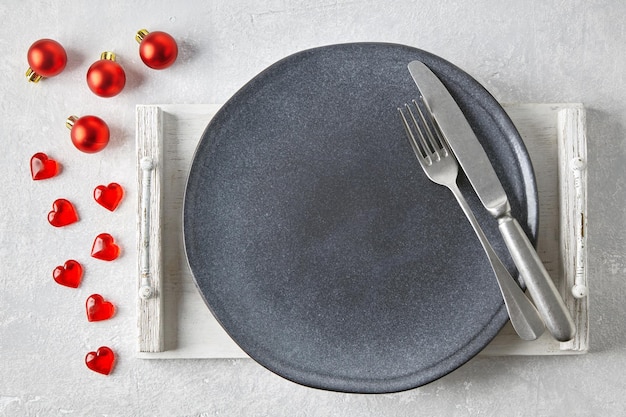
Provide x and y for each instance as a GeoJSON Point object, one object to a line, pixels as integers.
{"type": "Point", "coordinates": [523, 314]}
{"type": "Point", "coordinates": [541, 287]}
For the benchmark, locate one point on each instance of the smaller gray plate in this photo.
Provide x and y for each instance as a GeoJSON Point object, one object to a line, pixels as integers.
{"type": "Point", "coordinates": [317, 241]}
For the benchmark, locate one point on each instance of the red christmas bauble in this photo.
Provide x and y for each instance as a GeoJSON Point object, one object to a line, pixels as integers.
{"type": "Point", "coordinates": [46, 58]}
{"type": "Point", "coordinates": [89, 134]}
{"type": "Point", "coordinates": [158, 50]}
{"type": "Point", "coordinates": [106, 78]}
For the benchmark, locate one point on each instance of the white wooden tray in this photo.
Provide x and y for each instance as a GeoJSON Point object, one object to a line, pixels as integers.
{"type": "Point", "coordinates": [173, 321]}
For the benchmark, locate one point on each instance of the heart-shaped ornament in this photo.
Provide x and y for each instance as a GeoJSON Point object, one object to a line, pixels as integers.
{"type": "Point", "coordinates": [62, 214]}
{"type": "Point", "coordinates": [43, 167]}
{"type": "Point", "coordinates": [101, 361]}
{"type": "Point", "coordinates": [104, 248]}
{"type": "Point", "coordinates": [109, 196]}
{"type": "Point", "coordinates": [69, 275]}
{"type": "Point", "coordinates": [98, 308]}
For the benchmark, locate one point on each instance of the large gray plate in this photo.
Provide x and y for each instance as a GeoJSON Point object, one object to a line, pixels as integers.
{"type": "Point", "coordinates": [317, 241]}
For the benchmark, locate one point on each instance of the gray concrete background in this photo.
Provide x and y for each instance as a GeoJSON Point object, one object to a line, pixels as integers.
{"type": "Point", "coordinates": [532, 51]}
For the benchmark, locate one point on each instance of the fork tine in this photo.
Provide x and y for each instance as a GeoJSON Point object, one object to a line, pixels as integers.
{"type": "Point", "coordinates": [418, 134]}
{"type": "Point", "coordinates": [417, 148]}
{"type": "Point", "coordinates": [441, 138]}
{"type": "Point", "coordinates": [426, 147]}
{"type": "Point", "coordinates": [424, 125]}
{"type": "Point", "coordinates": [423, 131]}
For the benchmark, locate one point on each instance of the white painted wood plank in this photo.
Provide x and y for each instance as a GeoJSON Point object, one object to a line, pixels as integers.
{"type": "Point", "coordinates": [190, 329]}
{"type": "Point", "coordinates": [572, 161]}
{"type": "Point", "coordinates": [149, 308]}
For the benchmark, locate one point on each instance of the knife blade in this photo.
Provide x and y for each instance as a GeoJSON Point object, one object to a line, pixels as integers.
{"type": "Point", "coordinates": [478, 169]}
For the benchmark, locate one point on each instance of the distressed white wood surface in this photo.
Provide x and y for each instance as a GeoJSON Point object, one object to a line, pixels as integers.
{"type": "Point", "coordinates": [190, 331]}
{"type": "Point", "coordinates": [150, 310]}
{"type": "Point", "coordinates": [572, 160]}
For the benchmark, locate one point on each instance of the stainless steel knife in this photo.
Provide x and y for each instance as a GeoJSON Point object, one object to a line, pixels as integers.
{"type": "Point", "coordinates": [478, 169]}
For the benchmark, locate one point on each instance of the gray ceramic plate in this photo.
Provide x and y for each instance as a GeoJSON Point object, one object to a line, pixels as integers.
{"type": "Point", "coordinates": [317, 241]}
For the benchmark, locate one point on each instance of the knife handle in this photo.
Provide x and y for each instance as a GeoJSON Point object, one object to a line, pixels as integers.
{"type": "Point", "coordinates": [541, 287]}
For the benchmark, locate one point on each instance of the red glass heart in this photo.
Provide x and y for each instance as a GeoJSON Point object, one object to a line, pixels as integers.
{"type": "Point", "coordinates": [70, 274]}
{"type": "Point", "coordinates": [62, 214]}
{"type": "Point", "coordinates": [108, 196]}
{"type": "Point", "coordinates": [104, 248]}
{"type": "Point", "coordinates": [98, 308]}
{"type": "Point", "coordinates": [101, 361]}
{"type": "Point", "coordinates": [43, 167]}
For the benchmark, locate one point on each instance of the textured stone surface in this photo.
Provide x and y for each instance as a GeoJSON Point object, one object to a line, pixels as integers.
{"type": "Point", "coordinates": [550, 51]}
{"type": "Point", "coordinates": [317, 240]}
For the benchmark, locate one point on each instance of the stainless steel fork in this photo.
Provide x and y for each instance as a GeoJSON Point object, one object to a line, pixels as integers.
{"type": "Point", "coordinates": [440, 165]}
